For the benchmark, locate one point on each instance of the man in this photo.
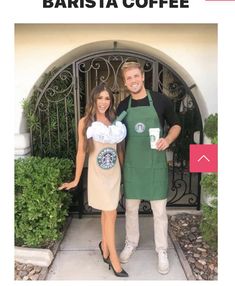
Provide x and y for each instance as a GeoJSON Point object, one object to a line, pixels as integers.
{"type": "Point", "coordinates": [145, 169]}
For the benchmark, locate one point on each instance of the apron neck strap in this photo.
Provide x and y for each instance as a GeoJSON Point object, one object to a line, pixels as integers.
{"type": "Point", "coordinates": [149, 98]}
{"type": "Point", "coordinates": [129, 103]}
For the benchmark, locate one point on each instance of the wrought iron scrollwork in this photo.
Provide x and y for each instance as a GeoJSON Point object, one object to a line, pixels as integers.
{"type": "Point", "coordinates": [60, 88]}
{"type": "Point", "coordinates": [53, 108]}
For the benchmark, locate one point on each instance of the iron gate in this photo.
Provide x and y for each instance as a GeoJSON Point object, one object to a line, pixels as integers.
{"type": "Point", "coordinates": [59, 102]}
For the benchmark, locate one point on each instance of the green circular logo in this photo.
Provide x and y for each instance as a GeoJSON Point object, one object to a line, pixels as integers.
{"type": "Point", "coordinates": [139, 127]}
{"type": "Point", "coordinates": [152, 138]}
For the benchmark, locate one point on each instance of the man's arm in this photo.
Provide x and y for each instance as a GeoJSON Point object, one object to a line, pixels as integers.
{"type": "Point", "coordinates": [164, 143]}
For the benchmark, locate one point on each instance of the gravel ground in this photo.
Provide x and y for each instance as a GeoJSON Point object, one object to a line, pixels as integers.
{"type": "Point", "coordinates": [202, 259]}
{"type": "Point", "coordinates": [27, 271]}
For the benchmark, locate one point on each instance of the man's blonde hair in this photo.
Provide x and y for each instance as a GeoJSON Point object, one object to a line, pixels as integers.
{"type": "Point", "coordinates": [131, 65]}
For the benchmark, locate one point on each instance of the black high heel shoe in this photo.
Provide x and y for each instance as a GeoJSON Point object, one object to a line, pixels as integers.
{"type": "Point", "coordinates": [106, 260]}
{"type": "Point", "coordinates": [123, 273]}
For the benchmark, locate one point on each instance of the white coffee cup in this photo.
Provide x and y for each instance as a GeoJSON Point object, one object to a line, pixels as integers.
{"type": "Point", "coordinates": [154, 134]}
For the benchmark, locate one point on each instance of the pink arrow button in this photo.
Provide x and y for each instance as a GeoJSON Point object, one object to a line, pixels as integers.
{"type": "Point", "coordinates": [203, 158]}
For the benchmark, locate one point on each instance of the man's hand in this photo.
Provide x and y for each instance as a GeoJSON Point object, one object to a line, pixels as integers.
{"type": "Point", "coordinates": [162, 144]}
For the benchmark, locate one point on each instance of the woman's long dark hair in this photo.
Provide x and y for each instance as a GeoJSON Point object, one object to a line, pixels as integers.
{"type": "Point", "coordinates": [90, 115]}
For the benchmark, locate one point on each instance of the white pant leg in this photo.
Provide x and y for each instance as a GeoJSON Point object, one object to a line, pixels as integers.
{"type": "Point", "coordinates": [160, 224]}
{"type": "Point", "coordinates": [132, 222]}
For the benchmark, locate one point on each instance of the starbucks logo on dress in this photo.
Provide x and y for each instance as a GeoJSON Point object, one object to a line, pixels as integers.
{"type": "Point", "coordinates": [107, 158]}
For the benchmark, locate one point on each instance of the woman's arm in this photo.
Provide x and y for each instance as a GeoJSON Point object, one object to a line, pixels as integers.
{"type": "Point", "coordinates": [121, 152]}
{"type": "Point", "coordinates": [80, 159]}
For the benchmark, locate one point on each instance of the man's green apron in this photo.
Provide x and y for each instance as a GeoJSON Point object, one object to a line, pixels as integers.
{"type": "Point", "coordinates": [145, 169]}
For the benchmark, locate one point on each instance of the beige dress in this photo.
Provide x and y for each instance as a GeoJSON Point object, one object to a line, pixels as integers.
{"type": "Point", "coordinates": [104, 177]}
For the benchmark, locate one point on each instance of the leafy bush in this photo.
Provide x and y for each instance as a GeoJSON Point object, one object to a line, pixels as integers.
{"type": "Point", "coordinates": [209, 224]}
{"type": "Point", "coordinates": [40, 209]}
{"type": "Point", "coordinates": [210, 128]}
{"type": "Point", "coordinates": [209, 183]}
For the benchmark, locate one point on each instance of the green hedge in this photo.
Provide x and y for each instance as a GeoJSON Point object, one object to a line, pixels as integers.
{"type": "Point", "coordinates": [40, 208]}
{"type": "Point", "coordinates": [209, 184]}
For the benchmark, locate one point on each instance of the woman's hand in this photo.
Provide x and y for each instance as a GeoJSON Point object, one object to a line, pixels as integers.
{"type": "Point", "coordinates": [68, 186]}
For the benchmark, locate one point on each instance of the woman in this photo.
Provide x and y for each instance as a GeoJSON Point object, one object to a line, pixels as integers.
{"type": "Point", "coordinates": [98, 136]}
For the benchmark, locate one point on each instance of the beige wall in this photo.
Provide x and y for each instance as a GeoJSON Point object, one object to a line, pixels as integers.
{"type": "Point", "coordinates": [190, 49]}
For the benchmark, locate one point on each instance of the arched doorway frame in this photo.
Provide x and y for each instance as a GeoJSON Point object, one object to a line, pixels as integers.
{"type": "Point", "coordinates": [122, 53]}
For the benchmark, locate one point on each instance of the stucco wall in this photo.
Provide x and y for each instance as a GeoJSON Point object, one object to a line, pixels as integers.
{"type": "Point", "coordinates": [190, 49]}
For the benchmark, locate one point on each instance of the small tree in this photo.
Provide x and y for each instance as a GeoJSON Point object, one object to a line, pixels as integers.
{"type": "Point", "coordinates": [209, 183]}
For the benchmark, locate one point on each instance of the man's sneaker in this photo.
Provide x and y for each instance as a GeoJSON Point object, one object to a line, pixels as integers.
{"type": "Point", "coordinates": [126, 253]}
{"type": "Point", "coordinates": [163, 263]}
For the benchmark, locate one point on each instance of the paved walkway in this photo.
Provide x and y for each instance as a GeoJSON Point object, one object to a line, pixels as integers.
{"type": "Point", "coordinates": [79, 257]}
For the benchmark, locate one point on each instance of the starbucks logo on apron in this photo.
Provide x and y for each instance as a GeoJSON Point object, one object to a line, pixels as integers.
{"type": "Point", "coordinates": [139, 127]}
{"type": "Point", "coordinates": [107, 158]}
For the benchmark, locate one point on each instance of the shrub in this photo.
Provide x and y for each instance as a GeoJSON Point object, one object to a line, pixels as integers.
{"type": "Point", "coordinates": [209, 224]}
{"type": "Point", "coordinates": [40, 209]}
{"type": "Point", "coordinates": [210, 127]}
